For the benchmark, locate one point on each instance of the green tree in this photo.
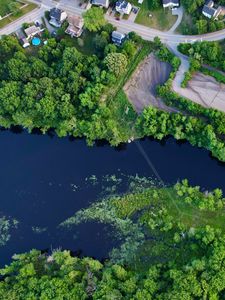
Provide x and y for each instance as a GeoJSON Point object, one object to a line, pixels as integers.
{"type": "Point", "coordinates": [116, 63]}
{"type": "Point", "coordinates": [94, 19]}
{"type": "Point", "coordinates": [201, 26]}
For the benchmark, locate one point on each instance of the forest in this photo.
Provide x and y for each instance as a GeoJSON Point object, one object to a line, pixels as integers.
{"type": "Point", "coordinates": [173, 247]}
{"type": "Point", "coordinates": [58, 87]}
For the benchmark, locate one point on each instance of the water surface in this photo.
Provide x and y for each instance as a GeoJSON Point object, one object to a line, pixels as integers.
{"type": "Point", "coordinates": [43, 181]}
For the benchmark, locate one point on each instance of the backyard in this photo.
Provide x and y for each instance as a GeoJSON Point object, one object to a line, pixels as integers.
{"type": "Point", "coordinates": [84, 44]}
{"type": "Point", "coordinates": [159, 18]}
{"type": "Point", "coordinates": [14, 7]}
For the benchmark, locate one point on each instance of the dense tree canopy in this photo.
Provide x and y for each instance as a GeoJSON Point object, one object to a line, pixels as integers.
{"type": "Point", "coordinates": [211, 53]}
{"type": "Point", "coordinates": [59, 87]}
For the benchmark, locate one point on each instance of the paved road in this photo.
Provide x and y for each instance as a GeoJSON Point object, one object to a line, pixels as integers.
{"type": "Point", "coordinates": [123, 25]}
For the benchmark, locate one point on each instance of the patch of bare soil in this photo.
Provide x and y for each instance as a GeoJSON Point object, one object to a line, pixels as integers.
{"type": "Point", "coordinates": [141, 88]}
{"type": "Point", "coordinates": [206, 91]}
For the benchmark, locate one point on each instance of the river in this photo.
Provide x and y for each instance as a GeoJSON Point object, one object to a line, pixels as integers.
{"type": "Point", "coordinates": [43, 181]}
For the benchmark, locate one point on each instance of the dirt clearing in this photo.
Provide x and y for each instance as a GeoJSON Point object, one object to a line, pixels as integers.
{"type": "Point", "coordinates": [141, 88]}
{"type": "Point", "coordinates": [205, 90]}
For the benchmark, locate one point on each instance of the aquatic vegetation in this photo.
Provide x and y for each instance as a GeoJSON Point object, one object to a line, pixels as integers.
{"type": "Point", "coordinates": [39, 230]}
{"type": "Point", "coordinates": [124, 229]}
{"type": "Point", "coordinates": [6, 225]}
{"type": "Point", "coordinates": [151, 216]}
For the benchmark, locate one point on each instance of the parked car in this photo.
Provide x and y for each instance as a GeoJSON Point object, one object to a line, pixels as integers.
{"type": "Point", "coordinates": [37, 23]}
{"type": "Point", "coordinates": [54, 33]}
{"type": "Point", "coordinates": [135, 10]}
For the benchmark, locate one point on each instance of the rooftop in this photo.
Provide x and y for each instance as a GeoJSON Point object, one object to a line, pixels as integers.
{"type": "Point", "coordinates": [122, 4]}
{"type": "Point", "coordinates": [118, 35]}
{"type": "Point", "coordinates": [209, 10]}
{"type": "Point", "coordinates": [75, 21]}
{"type": "Point", "coordinates": [171, 1]}
{"type": "Point", "coordinates": [100, 2]}
{"type": "Point", "coordinates": [32, 30]}
{"type": "Point", "coordinates": [55, 13]}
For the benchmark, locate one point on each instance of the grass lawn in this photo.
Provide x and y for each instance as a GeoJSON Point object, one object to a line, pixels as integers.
{"type": "Point", "coordinates": [12, 18]}
{"type": "Point", "coordinates": [187, 25]}
{"type": "Point", "coordinates": [84, 44]}
{"type": "Point", "coordinates": [4, 8]}
{"type": "Point", "coordinates": [161, 19]}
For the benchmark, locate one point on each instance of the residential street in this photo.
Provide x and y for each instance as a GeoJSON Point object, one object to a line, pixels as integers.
{"type": "Point", "coordinates": [125, 26]}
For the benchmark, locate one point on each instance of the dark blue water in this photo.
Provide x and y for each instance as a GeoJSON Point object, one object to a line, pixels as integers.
{"type": "Point", "coordinates": [38, 175]}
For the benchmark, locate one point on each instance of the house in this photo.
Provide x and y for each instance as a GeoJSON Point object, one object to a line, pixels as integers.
{"type": "Point", "coordinates": [76, 24]}
{"type": "Point", "coordinates": [57, 17]}
{"type": "Point", "coordinates": [32, 31]}
{"type": "Point", "coordinates": [118, 38]}
{"type": "Point", "coordinates": [25, 42]}
{"type": "Point", "coordinates": [123, 7]}
{"type": "Point", "coordinates": [102, 3]}
{"type": "Point", "coordinates": [171, 3]}
{"type": "Point", "coordinates": [209, 11]}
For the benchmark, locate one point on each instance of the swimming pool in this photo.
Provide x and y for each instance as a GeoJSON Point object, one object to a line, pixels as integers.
{"type": "Point", "coordinates": [36, 41]}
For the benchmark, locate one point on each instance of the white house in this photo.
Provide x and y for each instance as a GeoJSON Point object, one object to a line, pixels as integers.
{"type": "Point", "coordinates": [171, 3]}
{"type": "Point", "coordinates": [57, 17]}
{"type": "Point", "coordinates": [123, 7]}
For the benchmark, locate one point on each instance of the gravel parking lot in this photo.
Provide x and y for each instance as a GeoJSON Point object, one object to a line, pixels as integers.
{"type": "Point", "coordinates": [206, 91]}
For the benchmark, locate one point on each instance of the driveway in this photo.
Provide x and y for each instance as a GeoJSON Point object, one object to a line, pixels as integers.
{"type": "Point", "coordinates": [179, 13]}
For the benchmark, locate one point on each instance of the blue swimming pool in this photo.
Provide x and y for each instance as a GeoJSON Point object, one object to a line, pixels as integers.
{"type": "Point", "coordinates": [36, 41]}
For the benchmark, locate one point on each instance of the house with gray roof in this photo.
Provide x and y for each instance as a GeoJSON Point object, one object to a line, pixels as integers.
{"type": "Point", "coordinates": [118, 38]}
{"type": "Point", "coordinates": [101, 3]}
{"type": "Point", "coordinates": [209, 11]}
{"type": "Point", "coordinates": [57, 17]}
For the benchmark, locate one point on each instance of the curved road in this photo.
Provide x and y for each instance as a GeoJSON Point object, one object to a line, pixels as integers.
{"type": "Point", "coordinates": [122, 25]}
